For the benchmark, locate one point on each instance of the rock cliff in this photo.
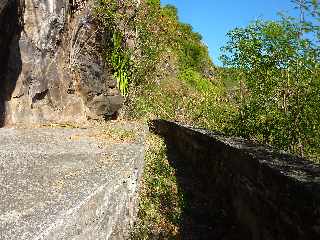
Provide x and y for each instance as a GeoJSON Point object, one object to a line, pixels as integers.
{"type": "Point", "coordinates": [51, 63]}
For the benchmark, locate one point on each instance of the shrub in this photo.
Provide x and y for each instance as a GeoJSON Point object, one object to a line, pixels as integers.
{"type": "Point", "coordinates": [279, 71]}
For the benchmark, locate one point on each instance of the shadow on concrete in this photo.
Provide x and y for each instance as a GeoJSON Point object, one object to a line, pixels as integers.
{"type": "Point", "coordinates": [203, 217]}
{"type": "Point", "coordinates": [10, 56]}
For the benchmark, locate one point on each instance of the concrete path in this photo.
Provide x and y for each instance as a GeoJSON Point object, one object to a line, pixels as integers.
{"type": "Point", "coordinates": [69, 183]}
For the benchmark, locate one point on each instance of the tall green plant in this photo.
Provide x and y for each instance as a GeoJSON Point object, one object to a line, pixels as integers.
{"type": "Point", "coordinates": [120, 60]}
{"type": "Point", "coordinates": [111, 14]}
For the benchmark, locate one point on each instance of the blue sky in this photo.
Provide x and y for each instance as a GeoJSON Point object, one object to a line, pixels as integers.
{"type": "Point", "coordinates": [214, 18]}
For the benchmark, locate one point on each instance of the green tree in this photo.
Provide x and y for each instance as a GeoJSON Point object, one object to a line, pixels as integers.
{"type": "Point", "coordinates": [279, 100]}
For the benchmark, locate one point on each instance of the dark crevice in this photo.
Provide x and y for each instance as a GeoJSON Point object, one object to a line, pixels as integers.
{"type": "Point", "coordinates": [40, 96]}
{"type": "Point", "coordinates": [10, 56]}
{"type": "Point", "coordinates": [71, 91]}
{"type": "Point", "coordinates": [113, 116]}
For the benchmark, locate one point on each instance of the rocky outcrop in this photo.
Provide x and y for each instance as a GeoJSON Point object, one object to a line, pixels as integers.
{"type": "Point", "coordinates": [52, 63]}
{"type": "Point", "coordinates": [261, 193]}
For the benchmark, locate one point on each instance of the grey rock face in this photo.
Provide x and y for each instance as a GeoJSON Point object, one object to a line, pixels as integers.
{"type": "Point", "coordinates": [59, 183]}
{"type": "Point", "coordinates": [52, 66]}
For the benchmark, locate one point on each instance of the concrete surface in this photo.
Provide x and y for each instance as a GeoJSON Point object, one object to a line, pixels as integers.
{"type": "Point", "coordinates": [69, 183]}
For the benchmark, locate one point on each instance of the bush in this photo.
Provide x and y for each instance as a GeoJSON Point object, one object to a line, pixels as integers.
{"type": "Point", "coordinates": [279, 97]}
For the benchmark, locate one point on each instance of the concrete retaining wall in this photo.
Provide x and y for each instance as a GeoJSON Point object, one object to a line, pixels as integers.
{"type": "Point", "coordinates": [270, 195]}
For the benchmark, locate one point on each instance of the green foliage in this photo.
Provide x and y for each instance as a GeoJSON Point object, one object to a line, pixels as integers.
{"type": "Point", "coordinates": [157, 31]}
{"type": "Point", "coordinates": [120, 60]}
{"type": "Point", "coordinates": [170, 11]}
{"type": "Point", "coordinates": [106, 13]}
{"type": "Point", "coordinates": [161, 32]}
{"type": "Point", "coordinates": [193, 100]}
{"type": "Point", "coordinates": [279, 90]}
{"type": "Point", "coordinates": [192, 52]}
{"type": "Point", "coordinates": [153, 2]}
{"type": "Point", "coordinates": [195, 80]}
{"type": "Point", "coordinates": [173, 78]}
{"type": "Point", "coordinates": [116, 55]}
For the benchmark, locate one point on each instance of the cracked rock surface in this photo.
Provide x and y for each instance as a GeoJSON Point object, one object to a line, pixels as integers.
{"type": "Point", "coordinates": [52, 67]}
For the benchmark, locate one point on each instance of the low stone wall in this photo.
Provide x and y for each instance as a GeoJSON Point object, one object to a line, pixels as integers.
{"type": "Point", "coordinates": [271, 195]}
